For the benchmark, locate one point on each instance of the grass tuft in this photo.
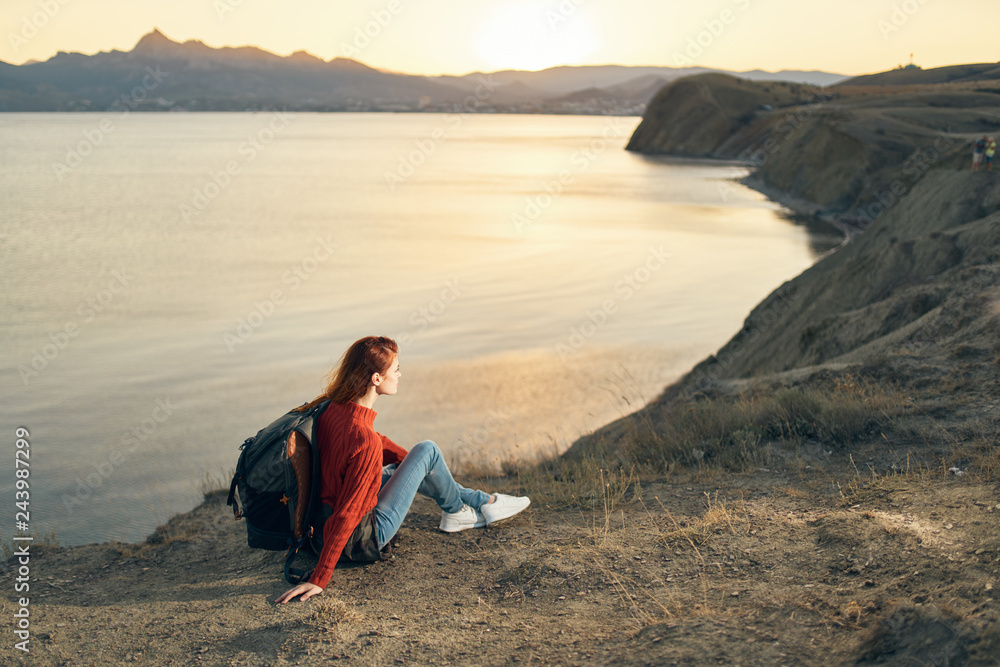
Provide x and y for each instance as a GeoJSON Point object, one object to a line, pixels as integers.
{"type": "Point", "coordinates": [585, 482]}
{"type": "Point", "coordinates": [719, 517]}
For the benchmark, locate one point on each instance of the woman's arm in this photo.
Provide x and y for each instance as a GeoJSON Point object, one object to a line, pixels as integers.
{"type": "Point", "coordinates": [359, 492]}
{"type": "Point", "coordinates": [359, 489]}
{"type": "Point", "coordinates": [391, 452]}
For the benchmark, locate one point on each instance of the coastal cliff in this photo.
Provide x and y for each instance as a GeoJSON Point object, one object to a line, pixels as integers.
{"type": "Point", "coordinates": [845, 152]}
{"type": "Point", "coordinates": [923, 277]}
{"type": "Point", "coordinates": [891, 161]}
{"type": "Point", "coordinates": [698, 116]}
{"type": "Point", "coordinates": [915, 299]}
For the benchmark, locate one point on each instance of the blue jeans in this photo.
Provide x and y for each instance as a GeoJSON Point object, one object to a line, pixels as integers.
{"type": "Point", "coordinates": [422, 471]}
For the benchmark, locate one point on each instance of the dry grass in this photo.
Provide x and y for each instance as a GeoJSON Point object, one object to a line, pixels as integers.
{"type": "Point", "coordinates": [862, 489]}
{"type": "Point", "coordinates": [39, 541]}
{"type": "Point", "coordinates": [586, 483]}
{"type": "Point", "coordinates": [718, 435]}
{"type": "Point", "coordinates": [749, 430]}
{"type": "Point", "coordinates": [636, 597]}
{"type": "Point", "coordinates": [718, 517]}
{"type": "Point", "coordinates": [178, 529]}
{"type": "Point", "coordinates": [559, 483]}
{"type": "Point", "coordinates": [330, 612]}
{"type": "Point", "coordinates": [978, 454]}
{"type": "Point", "coordinates": [212, 483]}
{"type": "Point", "coordinates": [651, 604]}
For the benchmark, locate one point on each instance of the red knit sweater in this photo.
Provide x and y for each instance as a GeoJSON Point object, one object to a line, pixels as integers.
{"type": "Point", "coordinates": [351, 457]}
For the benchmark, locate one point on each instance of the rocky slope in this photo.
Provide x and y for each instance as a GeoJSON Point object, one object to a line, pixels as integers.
{"type": "Point", "coordinates": [925, 275]}
{"type": "Point", "coordinates": [697, 115]}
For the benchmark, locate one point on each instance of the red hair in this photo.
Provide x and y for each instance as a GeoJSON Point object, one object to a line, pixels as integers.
{"type": "Point", "coordinates": [349, 381]}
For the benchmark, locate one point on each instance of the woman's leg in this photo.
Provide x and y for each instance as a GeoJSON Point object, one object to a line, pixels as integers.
{"type": "Point", "coordinates": [471, 497]}
{"type": "Point", "coordinates": [425, 471]}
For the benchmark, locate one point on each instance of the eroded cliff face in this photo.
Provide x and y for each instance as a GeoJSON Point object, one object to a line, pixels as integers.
{"type": "Point", "coordinates": [926, 275]}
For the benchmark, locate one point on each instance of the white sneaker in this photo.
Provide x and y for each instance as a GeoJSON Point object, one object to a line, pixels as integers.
{"type": "Point", "coordinates": [463, 519]}
{"type": "Point", "coordinates": [503, 507]}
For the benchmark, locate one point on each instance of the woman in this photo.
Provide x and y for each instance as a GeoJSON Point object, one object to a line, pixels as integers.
{"type": "Point", "coordinates": [369, 478]}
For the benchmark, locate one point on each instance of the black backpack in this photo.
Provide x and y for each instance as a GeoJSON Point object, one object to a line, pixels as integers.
{"type": "Point", "coordinates": [278, 483]}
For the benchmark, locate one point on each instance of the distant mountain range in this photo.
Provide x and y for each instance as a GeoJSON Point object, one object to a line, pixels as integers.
{"type": "Point", "coordinates": [159, 74]}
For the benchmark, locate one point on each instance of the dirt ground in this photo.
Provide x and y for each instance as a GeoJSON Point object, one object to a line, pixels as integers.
{"type": "Point", "coordinates": [768, 569]}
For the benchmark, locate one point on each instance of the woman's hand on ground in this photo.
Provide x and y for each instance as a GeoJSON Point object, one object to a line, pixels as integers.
{"type": "Point", "coordinates": [306, 590]}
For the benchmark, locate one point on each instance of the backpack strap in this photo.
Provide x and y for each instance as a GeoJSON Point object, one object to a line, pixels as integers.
{"type": "Point", "coordinates": [308, 424]}
{"type": "Point", "coordinates": [234, 499]}
{"type": "Point", "coordinates": [294, 575]}
{"type": "Point", "coordinates": [315, 505]}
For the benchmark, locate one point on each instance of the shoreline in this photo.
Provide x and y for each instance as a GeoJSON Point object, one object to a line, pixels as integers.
{"type": "Point", "coordinates": [795, 204]}
{"type": "Point", "coordinates": [802, 206]}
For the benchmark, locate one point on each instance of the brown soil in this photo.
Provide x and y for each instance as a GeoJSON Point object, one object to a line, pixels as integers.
{"type": "Point", "coordinates": [758, 569]}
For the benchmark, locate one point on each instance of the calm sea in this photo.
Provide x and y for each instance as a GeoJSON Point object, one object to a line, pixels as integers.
{"type": "Point", "coordinates": [173, 282]}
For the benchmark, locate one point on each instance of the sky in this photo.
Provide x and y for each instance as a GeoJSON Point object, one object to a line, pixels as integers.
{"type": "Point", "coordinates": [462, 36]}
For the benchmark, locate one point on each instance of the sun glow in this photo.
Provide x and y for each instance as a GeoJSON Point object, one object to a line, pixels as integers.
{"type": "Point", "coordinates": [531, 37]}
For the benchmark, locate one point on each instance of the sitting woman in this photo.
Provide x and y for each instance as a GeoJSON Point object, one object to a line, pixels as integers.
{"type": "Point", "coordinates": [369, 482]}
